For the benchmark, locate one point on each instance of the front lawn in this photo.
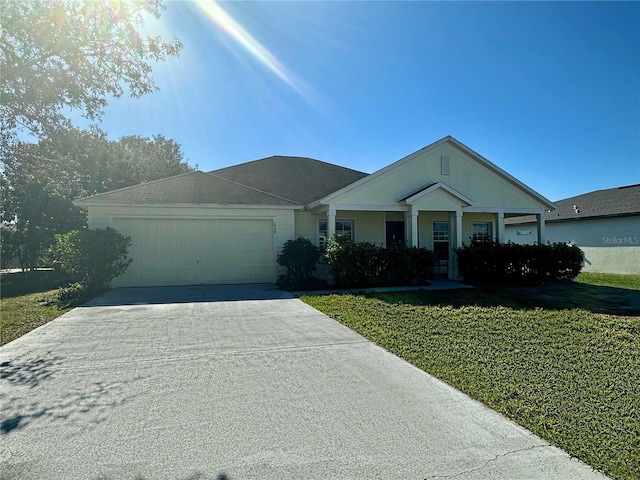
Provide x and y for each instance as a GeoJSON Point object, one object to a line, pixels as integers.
{"type": "Point", "coordinates": [29, 300]}
{"type": "Point", "coordinates": [563, 359]}
{"type": "Point", "coordinates": [23, 313]}
{"type": "Point", "coordinates": [610, 280]}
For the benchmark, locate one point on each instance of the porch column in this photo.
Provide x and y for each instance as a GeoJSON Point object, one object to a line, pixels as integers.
{"type": "Point", "coordinates": [541, 232]}
{"type": "Point", "coordinates": [411, 219]}
{"type": "Point", "coordinates": [500, 227]}
{"type": "Point", "coordinates": [331, 222]}
{"type": "Point", "coordinates": [457, 241]}
{"type": "Point", "coordinates": [458, 216]}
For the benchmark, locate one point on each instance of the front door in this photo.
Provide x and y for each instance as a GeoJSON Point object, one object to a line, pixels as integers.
{"type": "Point", "coordinates": [441, 247]}
{"type": "Point", "coordinates": [395, 232]}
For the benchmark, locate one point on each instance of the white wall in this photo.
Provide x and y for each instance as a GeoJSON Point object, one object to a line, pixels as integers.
{"type": "Point", "coordinates": [488, 190]}
{"type": "Point", "coordinates": [102, 216]}
{"type": "Point", "coordinates": [610, 245]}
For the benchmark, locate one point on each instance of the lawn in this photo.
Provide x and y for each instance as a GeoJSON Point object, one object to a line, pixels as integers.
{"type": "Point", "coordinates": [28, 301]}
{"type": "Point", "coordinates": [610, 280]}
{"type": "Point", "coordinates": [563, 360]}
{"type": "Point", "coordinates": [21, 314]}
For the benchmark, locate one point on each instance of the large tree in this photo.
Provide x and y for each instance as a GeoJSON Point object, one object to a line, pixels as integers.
{"type": "Point", "coordinates": [63, 55]}
{"type": "Point", "coordinates": [40, 181]}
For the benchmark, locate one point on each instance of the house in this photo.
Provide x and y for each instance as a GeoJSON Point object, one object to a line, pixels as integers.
{"type": "Point", "coordinates": [229, 225]}
{"type": "Point", "coordinates": [605, 224]}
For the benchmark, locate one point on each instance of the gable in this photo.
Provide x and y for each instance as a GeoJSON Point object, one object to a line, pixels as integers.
{"type": "Point", "coordinates": [438, 197]}
{"type": "Point", "coordinates": [485, 184]}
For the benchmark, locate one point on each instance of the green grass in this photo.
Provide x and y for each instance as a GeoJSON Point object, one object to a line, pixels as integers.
{"type": "Point", "coordinates": [610, 280]}
{"type": "Point", "coordinates": [28, 301]}
{"type": "Point", "coordinates": [543, 356]}
{"type": "Point", "coordinates": [23, 313]}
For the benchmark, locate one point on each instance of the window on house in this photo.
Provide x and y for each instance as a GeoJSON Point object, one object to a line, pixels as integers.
{"type": "Point", "coordinates": [481, 231]}
{"type": "Point", "coordinates": [344, 228]}
{"type": "Point", "coordinates": [441, 242]}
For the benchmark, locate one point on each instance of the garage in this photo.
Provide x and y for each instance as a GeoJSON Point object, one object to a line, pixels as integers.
{"type": "Point", "coordinates": [197, 251]}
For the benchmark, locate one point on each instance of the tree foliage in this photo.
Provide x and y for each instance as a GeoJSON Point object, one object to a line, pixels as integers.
{"type": "Point", "coordinates": [63, 55]}
{"type": "Point", "coordinates": [40, 181]}
{"type": "Point", "coordinates": [93, 257]}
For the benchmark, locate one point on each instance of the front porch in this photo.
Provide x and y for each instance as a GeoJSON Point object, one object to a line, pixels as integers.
{"type": "Point", "coordinates": [438, 198]}
{"type": "Point", "coordinates": [441, 231]}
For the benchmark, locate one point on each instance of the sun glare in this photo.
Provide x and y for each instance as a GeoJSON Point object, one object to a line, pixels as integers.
{"type": "Point", "coordinates": [224, 21]}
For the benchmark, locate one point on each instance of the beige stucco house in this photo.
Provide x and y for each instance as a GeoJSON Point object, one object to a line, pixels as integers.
{"type": "Point", "coordinates": [605, 224]}
{"type": "Point", "coordinates": [229, 225]}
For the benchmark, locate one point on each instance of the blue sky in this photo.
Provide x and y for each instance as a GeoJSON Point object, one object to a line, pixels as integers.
{"type": "Point", "coordinates": [550, 92]}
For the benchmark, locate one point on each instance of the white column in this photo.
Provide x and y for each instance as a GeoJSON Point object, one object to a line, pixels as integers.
{"type": "Point", "coordinates": [331, 222]}
{"type": "Point", "coordinates": [541, 232]}
{"type": "Point", "coordinates": [414, 227]}
{"type": "Point", "coordinates": [407, 227]}
{"type": "Point", "coordinates": [500, 227]}
{"type": "Point", "coordinates": [456, 218]}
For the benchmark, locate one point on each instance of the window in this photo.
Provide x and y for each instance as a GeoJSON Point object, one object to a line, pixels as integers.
{"type": "Point", "coordinates": [344, 228]}
{"type": "Point", "coordinates": [441, 246]}
{"type": "Point", "coordinates": [481, 231]}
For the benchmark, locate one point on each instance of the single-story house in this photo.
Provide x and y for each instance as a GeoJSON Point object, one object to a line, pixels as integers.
{"type": "Point", "coordinates": [605, 224]}
{"type": "Point", "coordinates": [229, 225]}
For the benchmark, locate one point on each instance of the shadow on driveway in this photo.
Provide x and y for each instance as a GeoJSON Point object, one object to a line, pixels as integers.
{"type": "Point", "coordinates": [188, 294]}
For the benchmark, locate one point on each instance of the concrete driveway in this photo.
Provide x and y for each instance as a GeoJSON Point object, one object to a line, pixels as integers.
{"type": "Point", "coordinates": [200, 383]}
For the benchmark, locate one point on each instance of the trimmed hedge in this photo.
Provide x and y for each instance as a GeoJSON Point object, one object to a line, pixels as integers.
{"type": "Point", "coordinates": [493, 262]}
{"type": "Point", "coordinates": [365, 264]}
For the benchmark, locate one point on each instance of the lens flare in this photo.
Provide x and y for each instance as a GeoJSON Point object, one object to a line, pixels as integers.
{"type": "Point", "coordinates": [224, 21]}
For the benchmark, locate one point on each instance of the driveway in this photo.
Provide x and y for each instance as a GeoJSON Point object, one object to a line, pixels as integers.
{"type": "Point", "coordinates": [212, 383]}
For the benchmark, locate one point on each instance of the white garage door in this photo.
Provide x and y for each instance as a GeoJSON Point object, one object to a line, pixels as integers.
{"type": "Point", "coordinates": [168, 251]}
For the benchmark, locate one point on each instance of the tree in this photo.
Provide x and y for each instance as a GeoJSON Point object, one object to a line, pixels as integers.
{"type": "Point", "coordinates": [34, 203]}
{"type": "Point", "coordinates": [60, 55]}
{"type": "Point", "coordinates": [40, 181]}
{"type": "Point", "coordinates": [141, 159]}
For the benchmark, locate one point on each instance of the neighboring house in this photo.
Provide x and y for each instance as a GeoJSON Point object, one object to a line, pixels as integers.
{"type": "Point", "coordinates": [605, 224]}
{"type": "Point", "coordinates": [229, 225]}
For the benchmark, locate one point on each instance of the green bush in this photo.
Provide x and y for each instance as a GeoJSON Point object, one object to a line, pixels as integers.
{"type": "Point", "coordinates": [351, 264]}
{"type": "Point", "coordinates": [493, 262]}
{"type": "Point", "coordinates": [366, 264]}
{"type": "Point", "coordinates": [92, 257]}
{"type": "Point", "coordinates": [72, 294]}
{"type": "Point", "coordinates": [300, 258]}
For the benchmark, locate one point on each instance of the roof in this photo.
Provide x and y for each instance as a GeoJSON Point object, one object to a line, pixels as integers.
{"type": "Point", "coordinates": [187, 188]}
{"type": "Point", "coordinates": [299, 179]}
{"type": "Point", "coordinates": [271, 181]}
{"type": "Point", "coordinates": [612, 202]}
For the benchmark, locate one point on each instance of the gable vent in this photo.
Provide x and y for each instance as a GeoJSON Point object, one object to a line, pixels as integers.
{"type": "Point", "coordinates": [444, 165]}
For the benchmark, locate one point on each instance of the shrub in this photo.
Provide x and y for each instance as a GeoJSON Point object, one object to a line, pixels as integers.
{"type": "Point", "coordinates": [493, 262]}
{"type": "Point", "coordinates": [300, 258]}
{"type": "Point", "coordinates": [366, 264]}
{"type": "Point", "coordinates": [92, 257]}
{"type": "Point", "coordinates": [72, 294]}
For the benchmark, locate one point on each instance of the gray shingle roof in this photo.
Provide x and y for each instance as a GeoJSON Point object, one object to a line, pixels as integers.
{"type": "Point", "coordinates": [191, 188]}
{"type": "Point", "coordinates": [299, 179]}
{"type": "Point", "coordinates": [612, 202]}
